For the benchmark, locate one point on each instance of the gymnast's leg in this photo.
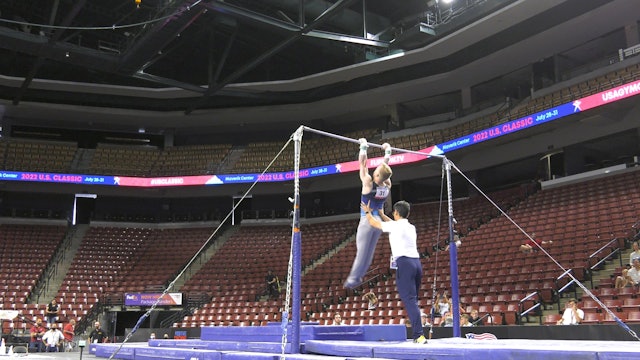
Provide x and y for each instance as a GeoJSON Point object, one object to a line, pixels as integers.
{"type": "Point", "coordinates": [366, 241]}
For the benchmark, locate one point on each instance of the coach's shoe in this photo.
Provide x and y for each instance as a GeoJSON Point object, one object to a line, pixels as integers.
{"type": "Point", "coordinates": [420, 340]}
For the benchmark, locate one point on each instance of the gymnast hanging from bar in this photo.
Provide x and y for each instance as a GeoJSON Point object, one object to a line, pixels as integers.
{"type": "Point", "coordinates": [375, 190]}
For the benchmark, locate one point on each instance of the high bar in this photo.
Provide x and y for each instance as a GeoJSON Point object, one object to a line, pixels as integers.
{"type": "Point", "coordinates": [344, 138]}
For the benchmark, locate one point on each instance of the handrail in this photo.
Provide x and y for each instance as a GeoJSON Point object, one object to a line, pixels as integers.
{"type": "Point", "coordinates": [566, 286]}
{"type": "Point", "coordinates": [603, 247]}
{"type": "Point", "coordinates": [533, 307]}
{"type": "Point", "coordinates": [536, 305]}
{"type": "Point", "coordinates": [564, 273]}
{"type": "Point", "coordinates": [561, 290]}
{"type": "Point", "coordinates": [528, 296]}
{"type": "Point", "coordinates": [605, 259]}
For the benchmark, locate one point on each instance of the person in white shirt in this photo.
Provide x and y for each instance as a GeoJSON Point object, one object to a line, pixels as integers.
{"type": "Point", "coordinates": [630, 277]}
{"type": "Point", "coordinates": [337, 319]}
{"type": "Point", "coordinates": [635, 253]}
{"type": "Point", "coordinates": [372, 300]}
{"type": "Point", "coordinates": [402, 238]}
{"type": "Point", "coordinates": [623, 279]}
{"type": "Point", "coordinates": [425, 319]}
{"type": "Point", "coordinates": [572, 315]}
{"type": "Point", "coordinates": [464, 320]}
{"type": "Point", "coordinates": [52, 339]}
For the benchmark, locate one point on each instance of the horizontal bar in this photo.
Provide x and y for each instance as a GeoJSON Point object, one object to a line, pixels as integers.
{"type": "Point", "coordinates": [344, 138]}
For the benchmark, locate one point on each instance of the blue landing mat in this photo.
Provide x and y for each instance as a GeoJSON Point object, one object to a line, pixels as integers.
{"type": "Point", "coordinates": [140, 351]}
{"type": "Point", "coordinates": [307, 332]}
{"type": "Point", "coordinates": [365, 342]}
{"type": "Point", "coordinates": [459, 349]}
{"type": "Point", "coordinates": [450, 349]}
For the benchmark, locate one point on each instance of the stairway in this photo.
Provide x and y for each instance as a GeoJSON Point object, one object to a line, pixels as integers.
{"type": "Point", "coordinates": [607, 272]}
{"type": "Point", "coordinates": [82, 160]}
{"type": "Point", "coordinates": [231, 159]}
{"type": "Point", "coordinates": [55, 273]}
{"type": "Point", "coordinates": [205, 256]}
{"type": "Point", "coordinates": [329, 254]}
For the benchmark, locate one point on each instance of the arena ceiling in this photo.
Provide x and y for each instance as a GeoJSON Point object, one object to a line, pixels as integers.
{"type": "Point", "coordinates": [163, 59]}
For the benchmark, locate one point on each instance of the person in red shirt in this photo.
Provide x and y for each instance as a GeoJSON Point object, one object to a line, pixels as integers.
{"type": "Point", "coordinates": [69, 332]}
{"type": "Point", "coordinates": [532, 244]}
{"type": "Point", "coordinates": [37, 331]}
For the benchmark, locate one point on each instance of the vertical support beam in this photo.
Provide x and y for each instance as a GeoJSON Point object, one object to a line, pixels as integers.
{"type": "Point", "coordinates": [297, 248]}
{"type": "Point", "coordinates": [52, 16]}
{"type": "Point", "coordinates": [223, 59]}
{"type": "Point", "coordinates": [631, 34]}
{"type": "Point", "coordinates": [453, 257]}
{"type": "Point", "coordinates": [465, 94]}
{"type": "Point", "coordinates": [364, 19]}
{"type": "Point", "coordinates": [301, 16]}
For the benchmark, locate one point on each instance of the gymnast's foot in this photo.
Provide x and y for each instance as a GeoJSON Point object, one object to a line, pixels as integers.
{"type": "Point", "coordinates": [420, 340]}
{"type": "Point", "coordinates": [352, 283]}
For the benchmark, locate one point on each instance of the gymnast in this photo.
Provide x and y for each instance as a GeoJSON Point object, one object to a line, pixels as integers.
{"type": "Point", "coordinates": [375, 190]}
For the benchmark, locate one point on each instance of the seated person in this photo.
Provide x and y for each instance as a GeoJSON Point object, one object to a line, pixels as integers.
{"type": "Point", "coordinates": [442, 305]}
{"type": "Point", "coordinates": [337, 319]}
{"type": "Point", "coordinates": [532, 244]}
{"type": "Point", "coordinates": [475, 319]}
{"type": "Point", "coordinates": [273, 285]}
{"type": "Point", "coordinates": [635, 253]}
{"type": "Point", "coordinates": [629, 277]}
{"type": "Point", "coordinates": [464, 320]}
{"type": "Point", "coordinates": [447, 320]}
{"type": "Point", "coordinates": [572, 315]}
{"type": "Point", "coordinates": [425, 319]}
{"type": "Point", "coordinates": [371, 299]}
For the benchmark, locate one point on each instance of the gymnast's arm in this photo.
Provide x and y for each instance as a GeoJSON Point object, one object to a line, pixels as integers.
{"type": "Point", "coordinates": [383, 216]}
{"type": "Point", "coordinates": [372, 221]}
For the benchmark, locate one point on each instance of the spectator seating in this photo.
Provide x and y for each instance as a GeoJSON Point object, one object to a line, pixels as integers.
{"type": "Point", "coordinates": [119, 260]}
{"type": "Point", "coordinates": [113, 260]}
{"type": "Point", "coordinates": [26, 250]}
{"type": "Point", "coordinates": [27, 155]}
{"type": "Point", "coordinates": [43, 156]}
{"type": "Point", "coordinates": [191, 160]}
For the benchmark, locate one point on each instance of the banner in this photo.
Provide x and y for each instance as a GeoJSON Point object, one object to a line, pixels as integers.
{"type": "Point", "coordinates": [148, 299]}
{"type": "Point", "coordinates": [551, 114]}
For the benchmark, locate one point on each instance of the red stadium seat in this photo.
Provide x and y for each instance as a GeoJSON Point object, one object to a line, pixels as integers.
{"type": "Point", "coordinates": [633, 317]}
{"type": "Point", "coordinates": [592, 318]}
{"type": "Point", "coordinates": [494, 319]}
{"type": "Point", "coordinates": [607, 318]}
{"type": "Point", "coordinates": [551, 319]}
{"type": "Point", "coordinates": [631, 304]}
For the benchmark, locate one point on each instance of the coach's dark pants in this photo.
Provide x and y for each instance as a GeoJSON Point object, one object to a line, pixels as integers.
{"type": "Point", "coordinates": [408, 278]}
